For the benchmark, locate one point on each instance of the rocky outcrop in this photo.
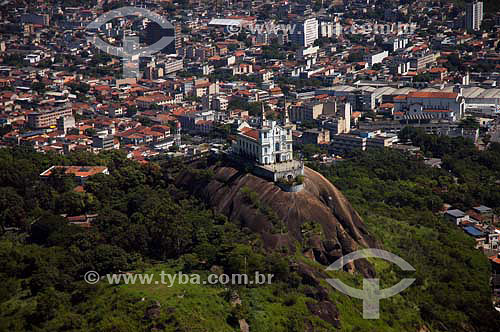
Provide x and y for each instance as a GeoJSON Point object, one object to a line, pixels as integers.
{"type": "Point", "coordinates": [325, 310]}
{"type": "Point", "coordinates": [319, 217]}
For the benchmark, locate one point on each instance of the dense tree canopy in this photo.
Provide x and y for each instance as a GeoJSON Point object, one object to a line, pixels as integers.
{"type": "Point", "coordinates": [145, 222]}
{"type": "Point", "coordinates": [398, 196]}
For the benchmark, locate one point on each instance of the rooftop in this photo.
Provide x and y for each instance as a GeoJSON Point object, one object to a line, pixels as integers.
{"type": "Point", "coordinates": [456, 213]}
{"type": "Point", "coordinates": [78, 171]}
{"type": "Point", "coordinates": [473, 231]}
{"type": "Point", "coordinates": [422, 94]}
{"type": "Point", "coordinates": [482, 209]}
{"type": "Point", "coordinates": [250, 132]}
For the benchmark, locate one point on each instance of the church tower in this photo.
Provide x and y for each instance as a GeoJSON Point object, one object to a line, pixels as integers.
{"type": "Point", "coordinates": [263, 116]}
{"type": "Point", "coordinates": [286, 115]}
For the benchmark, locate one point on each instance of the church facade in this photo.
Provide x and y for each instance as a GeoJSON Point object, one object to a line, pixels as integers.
{"type": "Point", "coordinates": [268, 144]}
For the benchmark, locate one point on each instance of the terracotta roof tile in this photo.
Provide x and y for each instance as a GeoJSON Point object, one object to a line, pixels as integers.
{"type": "Point", "coordinates": [423, 94]}
{"type": "Point", "coordinates": [250, 132]}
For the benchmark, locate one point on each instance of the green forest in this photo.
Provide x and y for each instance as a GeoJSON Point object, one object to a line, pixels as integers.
{"type": "Point", "coordinates": [147, 224]}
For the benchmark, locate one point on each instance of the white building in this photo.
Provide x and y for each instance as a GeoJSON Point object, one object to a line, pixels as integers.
{"type": "Point", "coordinates": [306, 32]}
{"type": "Point", "coordinates": [215, 102]}
{"type": "Point", "coordinates": [32, 58]}
{"type": "Point", "coordinates": [173, 65]}
{"type": "Point", "coordinates": [473, 15]}
{"type": "Point", "coordinates": [220, 104]}
{"type": "Point", "coordinates": [338, 27]}
{"type": "Point", "coordinates": [342, 143]}
{"type": "Point", "coordinates": [457, 216]}
{"type": "Point", "coordinates": [375, 58]}
{"type": "Point", "coordinates": [435, 105]}
{"type": "Point", "coordinates": [397, 43]}
{"type": "Point", "coordinates": [482, 102]}
{"type": "Point", "coordinates": [326, 29]}
{"type": "Point", "coordinates": [243, 69]}
{"type": "Point", "coordinates": [268, 144]}
{"type": "Point", "coordinates": [65, 122]}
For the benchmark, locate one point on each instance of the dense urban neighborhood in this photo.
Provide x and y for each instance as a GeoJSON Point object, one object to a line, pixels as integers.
{"type": "Point", "coordinates": [350, 76]}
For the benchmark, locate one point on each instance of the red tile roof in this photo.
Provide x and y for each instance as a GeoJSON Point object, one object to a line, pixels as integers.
{"type": "Point", "coordinates": [422, 94]}
{"type": "Point", "coordinates": [250, 132]}
{"type": "Point", "coordinates": [438, 70]}
{"type": "Point", "coordinates": [495, 259]}
{"type": "Point", "coordinates": [81, 171]}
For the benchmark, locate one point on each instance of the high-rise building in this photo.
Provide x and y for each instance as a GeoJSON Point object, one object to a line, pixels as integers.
{"type": "Point", "coordinates": [177, 136]}
{"type": "Point", "coordinates": [154, 32]}
{"type": "Point", "coordinates": [473, 15]}
{"type": "Point", "coordinates": [326, 29]}
{"type": "Point", "coordinates": [178, 37]}
{"type": "Point", "coordinates": [305, 32]}
{"type": "Point", "coordinates": [65, 122]}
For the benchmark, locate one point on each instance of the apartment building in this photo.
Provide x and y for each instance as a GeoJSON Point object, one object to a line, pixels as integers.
{"type": "Point", "coordinates": [316, 136]}
{"type": "Point", "coordinates": [422, 60]}
{"type": "Point", "coordinates": [306, 31]}
{"type": "Point", "coordinates": [45, 119]}
{"type": "Point", "coordinates": [343, 143]}
{"type": "Point", "coordinates": [305, 111]}
{"type": "Point", "coordinates": [173, 65]}
{"type": "Point", "coordinates": [65, 122]}
{"type": "Point", "coordinates": [372, 59]}
{"type": "Point", "coordinates": [103, 142]}
{"type": "Point", "coordinates": [473, 15]}
{"type": "Point", "coordinates": [190, 121]}
{"type": "Point", "coordinates": [361, 99]}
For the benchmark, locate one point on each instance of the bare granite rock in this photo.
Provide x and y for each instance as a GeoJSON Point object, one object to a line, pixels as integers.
{"type": "Point", "coordinates": [279, 216]}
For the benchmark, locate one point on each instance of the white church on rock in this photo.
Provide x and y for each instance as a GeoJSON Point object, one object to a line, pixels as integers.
{"type": "Point", "coordinates": [270, 147]}
{"type": "Point", "coordinates": [268, 144]}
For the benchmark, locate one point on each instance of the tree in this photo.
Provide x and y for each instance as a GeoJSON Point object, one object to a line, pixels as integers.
{"type": "Point", "coordinates": [61, 181]}
{"type": "Point", "coordinates": [38, 87]}
{"type": "Point", "coordinates": [107, 258]}
{"type": "Point", "coordinates": [11, 209]}
{"type": "Point", "coordinates": [45, 226]}
{"type": "Point", "coordinates": [91, 132]}
{"type": "Point", "coordinates": [48, 304]}
{"type": "Point", "coordinates": [469, 123]}
{"type": "Point", "coordinates": [310, 150]}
